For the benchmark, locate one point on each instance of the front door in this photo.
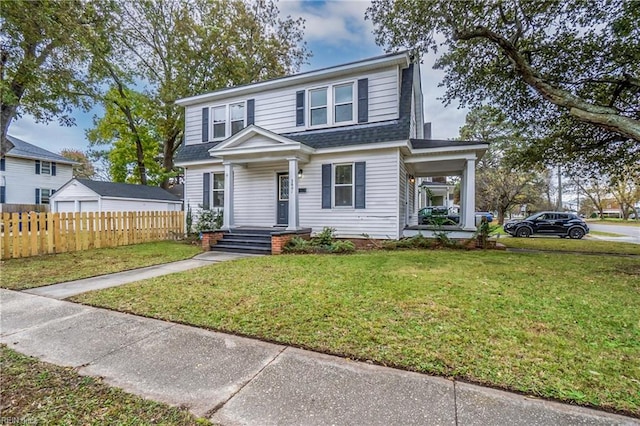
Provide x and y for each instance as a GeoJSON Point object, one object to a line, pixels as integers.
{"type": "Point", "coordinates": [283, 198]}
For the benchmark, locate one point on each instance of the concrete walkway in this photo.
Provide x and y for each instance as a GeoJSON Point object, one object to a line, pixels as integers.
{"type": "Point", "coordinates": [238, 381]}
{"type": "Point", "coordinates": [73, 288]}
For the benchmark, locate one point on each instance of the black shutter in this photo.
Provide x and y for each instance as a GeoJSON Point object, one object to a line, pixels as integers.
{"type": "Point", "coordinates": [363, 100]}
{"type": "Point", "coordinates": [205, 124]}
{"type": "Point", "coordinates": [361, 178]}
{"type": "Point", "coordinates": [300, 108]}
{"type": "Point", "coordinates": [326, 186]}
{"type": "Point", "coordinates": [37, 168]}
{"type": "Point", "coordinates": [251, 112]}
{"type": "Point", "coordinates": [3, 165]}
{"type": "Point", "coordinates": [3, 194]}
{"type": "Point", "coordinates": [37, 195]}
{"type": "Point", "coordinates": [206, 190]}
{"type": "Point", "coordinates": [53, 169]}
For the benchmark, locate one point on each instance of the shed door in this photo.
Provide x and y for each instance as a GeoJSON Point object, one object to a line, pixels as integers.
{"type": "Point", "coordinates": [65, 206]}
{"type": "Point", "coordinates": [88, 206]}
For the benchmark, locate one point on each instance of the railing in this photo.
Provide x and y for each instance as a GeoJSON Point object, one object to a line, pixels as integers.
{"type": "Point", "coordinates": [33, 234]}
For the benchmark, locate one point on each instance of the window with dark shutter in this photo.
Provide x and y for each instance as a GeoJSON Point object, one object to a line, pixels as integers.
{"type": "Point", "coordinates": [37, 168]}
{"type": "Point", "coordinates": [300, 108]}
{"type": "Point", "coordinates": [251, 112]}
{"type": "Point", "coordinates": [326, 186]}
{"type": "Point", "coordinates": [205, 124]}
{"type": "Point", "coordinates": [2, 164]}
{"type": "Point", "coordinates": [206, 190]}
{"type": "Point", "coordinates": [363, 100]}
{"type": "Point", "coordinates": [361, 178]}
{"type": "Point", "coordinates": [53, 169]}
{"type": "Point", "coordinates": [3, 194]}
{"type": "Point", "coordinates": [37, 195]}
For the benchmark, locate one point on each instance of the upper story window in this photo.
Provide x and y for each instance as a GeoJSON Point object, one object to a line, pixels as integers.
{"type": "Point", "coordinates": [219, 122]}
{"type": "Point", "coordinates": [331, 105]}
{"type": "Point", "coordinates": [45, 168]}
{"type": "Point", "coordinates": [318, 106]}
{"type": "Point", "coordinates": [343, 103]}
{"type": "Point", "coordinates": [227, 120]}
{"type": "Point", "coordinates": [237, 117]}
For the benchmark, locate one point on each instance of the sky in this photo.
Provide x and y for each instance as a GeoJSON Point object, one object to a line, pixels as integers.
{"type": "Point", "coordinates": [336, 33]}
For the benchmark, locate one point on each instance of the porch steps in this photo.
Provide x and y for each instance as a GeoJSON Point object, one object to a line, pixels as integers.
{"type": "Point", "coordinates": [245, 241]}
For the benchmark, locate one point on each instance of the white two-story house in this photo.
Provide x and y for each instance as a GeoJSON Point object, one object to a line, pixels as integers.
{"type": "Point", "coordinates": [340, 147]}
{"type": "Point", "coordinates": [29, 175]}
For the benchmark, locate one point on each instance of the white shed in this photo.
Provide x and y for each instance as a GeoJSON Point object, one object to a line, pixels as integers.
{"type": "Point", "coordinates": [84, 195]}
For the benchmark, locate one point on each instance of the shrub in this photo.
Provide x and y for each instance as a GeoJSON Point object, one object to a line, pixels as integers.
{"type": "Point", "coordinates": [345, 246]}
{"type": "Point", "coordinates": [209, 220]}
{"type": "Point", "coordinates": [324, 242]}
{"type": "Point", "coordinates": [416, 242]}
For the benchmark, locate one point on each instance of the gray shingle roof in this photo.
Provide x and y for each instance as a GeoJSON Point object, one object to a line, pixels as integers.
{"type": "Point", "coordinates": [26, 150]}
{"type": "Point", "coordinates": [127, 190]}
{"type": "Point", "coordinates": [436, 143]}
{"type": "Point", "coordinates": [386, 131]}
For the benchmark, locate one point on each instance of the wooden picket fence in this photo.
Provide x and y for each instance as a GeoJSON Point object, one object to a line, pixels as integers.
{"type": "Point", "coordinates": [33, 234]}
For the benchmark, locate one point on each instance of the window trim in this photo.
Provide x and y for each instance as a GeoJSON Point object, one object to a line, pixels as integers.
{"type": "Point", "coordinates": [325, 106]}
{"type": "Point", "coordinates": [334, 185]}
{"type": "Point", "coordinates": [51, 192]}
{"type": "Point", "coordinates": [227, 118]}
{"type": "Point", "coordinates": [214, 190]}
{"type": "Point", "coordinates": [331, 105]}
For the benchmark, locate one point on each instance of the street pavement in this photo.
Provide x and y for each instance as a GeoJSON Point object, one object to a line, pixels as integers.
{"type": "Point", "coordinates": [238, 381]}
{"type": "Point", "coordinates": [631, 233]}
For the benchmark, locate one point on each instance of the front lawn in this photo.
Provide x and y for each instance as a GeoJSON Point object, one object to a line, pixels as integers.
{"type": "Point", "coordinates": [585, 245]}
{"type": "Point", "coordinates": [614, 221]}
{"type": "Point", "coordinates": [30, 272]}
{"type": "Point", "coordinates": [35, 392]}
{"type": "Point", "coordinates": [557, 326]}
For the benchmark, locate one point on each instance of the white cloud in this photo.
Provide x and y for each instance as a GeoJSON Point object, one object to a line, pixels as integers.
{"type": "Point", "coordinates": [332, 22]}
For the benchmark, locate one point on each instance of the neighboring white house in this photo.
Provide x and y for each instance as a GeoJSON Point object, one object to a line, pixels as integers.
{"type": "Point", "coordinates": [84, 195]}
{"type": "Point", "coordinates": [30, 174]}
{"type": "Point", "coordinates": [339, 147]}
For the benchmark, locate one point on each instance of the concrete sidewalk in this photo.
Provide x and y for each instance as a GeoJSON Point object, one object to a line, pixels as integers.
{"type": "Point", "coordinates": [73, 288]}
{"type": "Point", "coordinates": [239, 381]}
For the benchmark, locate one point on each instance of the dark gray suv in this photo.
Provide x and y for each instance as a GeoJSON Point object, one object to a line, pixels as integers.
{"type": "Point", "coordinates": [549, 223]}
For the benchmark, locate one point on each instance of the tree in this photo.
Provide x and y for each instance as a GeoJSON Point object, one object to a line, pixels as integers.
{"type": "Point", "coordinates": [44, 54]}
{"type": "Point", "coordinates": [539, 62]}
{"type": "Point", "coordinates": [178, 49]}
{"type": "Point", "coordinates": [625, 187]}
{"type": "Point", "coordinates": [84, 169]}
{"type": "Point", "coordinates": [500, 186]}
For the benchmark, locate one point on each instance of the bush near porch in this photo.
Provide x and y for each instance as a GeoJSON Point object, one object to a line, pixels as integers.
{"type": "Point", "coordinates": [556, 326]}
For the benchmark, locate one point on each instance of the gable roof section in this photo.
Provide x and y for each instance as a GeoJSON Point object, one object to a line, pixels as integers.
{"type": "Point", "coordinates": [127, 190]}
{"type": "Point", "coordinates": [387, 131]}
{"type": "Point", "coordinates": [24, 149]}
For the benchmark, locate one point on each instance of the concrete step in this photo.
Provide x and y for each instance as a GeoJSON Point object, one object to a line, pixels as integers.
{"type": "Point", "coordinates": [241, 249]}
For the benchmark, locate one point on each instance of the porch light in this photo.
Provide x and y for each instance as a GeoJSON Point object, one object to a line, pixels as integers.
{"type": "Point", "coordinates": [300, 174]}
{"type": "Point", "coordinates": [412, 179]}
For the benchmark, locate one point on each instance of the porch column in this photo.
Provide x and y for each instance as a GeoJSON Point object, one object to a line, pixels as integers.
{"type": "Point", "coordinates": [227, 217]}
{"type": "Point", "coordinates": [294, 223]}
{"type": "Point", "coordinates": [469, 196]}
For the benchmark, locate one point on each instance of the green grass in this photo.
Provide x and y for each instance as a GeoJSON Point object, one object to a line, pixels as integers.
{"type": "Point", "coordinates": [614, 221]}
{"type": "Point", "coordinates": [30, 272]}
{"type": "Point", "coordinates": [556, 326]}
{"type": "Point", "coordinates": [566, 244]}
{"type": "Point", "coordinates": [605, 234]}
{"type": "Point", "coordinates": [35, 392]}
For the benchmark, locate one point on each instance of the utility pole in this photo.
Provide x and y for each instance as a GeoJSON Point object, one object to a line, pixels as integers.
{"type": "Point", "coordinates": [559, 206]}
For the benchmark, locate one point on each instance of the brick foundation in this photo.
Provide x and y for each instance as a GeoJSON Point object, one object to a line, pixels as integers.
{"type": "Point", "coordinates": [279, 241]}
{"type": "Point", "coordinates": [210, 238]}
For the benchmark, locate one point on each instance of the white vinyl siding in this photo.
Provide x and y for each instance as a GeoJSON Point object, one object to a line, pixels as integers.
{"type": "Point", "coordinates": [402, 192]}
{"type": "Point", "coordinates": [21, 180]}
{"type": "Point", "coordinates": [139, 205]}
{"type": "Point", "coordinates": [275, 109]}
